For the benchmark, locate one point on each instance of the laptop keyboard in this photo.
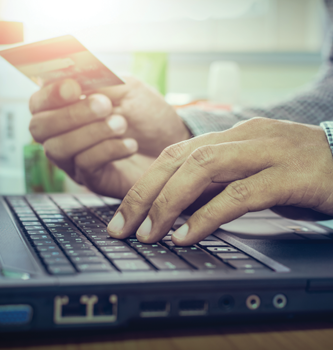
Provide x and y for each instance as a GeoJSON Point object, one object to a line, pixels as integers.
{"type": "Point", "coordinates": [69, 236]}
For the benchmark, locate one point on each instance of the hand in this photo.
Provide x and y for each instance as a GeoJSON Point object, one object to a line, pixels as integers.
{"type": "Point", "coordinates": [153, 123]}
{"type": "Point", "coordinates": [260, 163]}
{"type": "Point", "coordinates": [92, 143]}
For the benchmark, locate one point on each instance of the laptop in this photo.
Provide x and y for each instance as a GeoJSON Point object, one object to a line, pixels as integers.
{"type": "Point", "coordinates": [59, 269]}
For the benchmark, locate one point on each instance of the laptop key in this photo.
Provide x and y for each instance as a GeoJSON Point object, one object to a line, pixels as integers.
{"type": "Point", "coordinates": [222, 249]}
{"type": "Point", "coordinates": [49, 255]}
{"type": "Point", "coordinates": [169, 262]}
{"type": "Point", "coordinates": [42, 243]}
{"type": "Point", "coordinates": [203, 261]}
{"type": "Point", "coordinates": [47, 248]}
{"type": "Point", "coordinates": [37, 232]}
{"type": "Point", "coordinates": [31, 218]}
{"type": "Point", "coordinates": [62, 230]}
{"type": "Point", "coordinates": [62, 270]}
{"type": "Point", "coordinates": [232, 256]}
{"type": "Point", "coordinates": [94, 267]}
{"type": "Point", "coordinates": [68, 235]}
{"type": "Point", "coordinates": [71, 240]}
{"type": "Point", "coordinates": [40, 237]}
{"type": "Point", "coordinates": [76, 246]}
{"type": "Point", "coordinates": [169, 243]}
{"type": "Point", "coordinates": [213, 244]}
{"type": "Point", "coordinates": [83, 253]}
{"type": "Point", "coordinates": [109, 243]}
{"type": "Point", "coordinates": [56, 261]}
{"type": "Point", "coordinates": [246, 264]}
{"type": "Point", "coordinates": [125, 255]}
{"type": "Point", "coordinates": [131, 265]}
{"type": "Point", "coordinates": [156, 252]}
{"type": "Point", "coordinates": [88, 260]}
{"type": "Point", "coordinates": [115, 249]}
{"type": "Point", "coordinates": [30, 223]}
{"type": "Point", "coordinates": [34, 227]}
{"type": "Point", "coordinates": [186, 250]}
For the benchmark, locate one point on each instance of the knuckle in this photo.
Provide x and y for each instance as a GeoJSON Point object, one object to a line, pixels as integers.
{"type": "Point", "coordinates": [72, 117]}
{"type": "Point", "coordinates": [203, 156]}
{"type": "Point", "coordinates": [161, 202]}
{"type": "Point", "coordinates": [53, 149]}
{"type": "Point", "coordinates": [34, 128]}
{"type": "Point", "coordinates": [206, 213]}
{"type": "Point", "coordinates": [238, 192]}
{"type": "Point", "coordinates": [97, 130]}
{"type": "Point", "coordinates": [32, 102]}
{"type": "Point", "coordinates": [107, 149]}
{"type": "Point", "coordinates": [133, 198]}
{"type": "Point", "coordinates": [81, 162]}
{"type": "Point", "coordinates": [173, 153]}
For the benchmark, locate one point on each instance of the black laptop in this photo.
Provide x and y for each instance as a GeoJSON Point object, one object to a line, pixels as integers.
{"type": "Point", "coordinates": [59, 268]}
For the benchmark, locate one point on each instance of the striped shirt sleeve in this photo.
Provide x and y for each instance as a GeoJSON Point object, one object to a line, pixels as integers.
{"type": "Point", "coordinates": [328, 128]}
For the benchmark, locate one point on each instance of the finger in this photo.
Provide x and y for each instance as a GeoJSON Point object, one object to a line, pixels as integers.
{"type": "Point", "coordinates": [90, 161]}
{"type": "Point", "coordinates": [136, 204]}
{"type": "Point", "coordinates": [260, 191]}
{"type": "Point", "coordinates": [207, 164]}
{"type": "Point", "coordinates": [55, 95]}
{"type": "Point", "coordinates": [68, 118]}
{"type": "Point", "coordinates": [63, 148]}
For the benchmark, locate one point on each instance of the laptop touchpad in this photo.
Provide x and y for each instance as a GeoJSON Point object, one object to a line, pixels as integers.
{"type": "Point", "coordinates": [260, 229]}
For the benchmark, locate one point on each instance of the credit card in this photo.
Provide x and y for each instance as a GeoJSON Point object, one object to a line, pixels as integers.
{"type": "Point", "coordinates": [51, 60]}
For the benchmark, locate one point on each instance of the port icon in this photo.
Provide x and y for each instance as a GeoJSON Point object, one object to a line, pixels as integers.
{"type": "Point", "coordinates": [88, 315]}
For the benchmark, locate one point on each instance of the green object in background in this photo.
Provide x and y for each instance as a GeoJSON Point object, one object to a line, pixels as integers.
{"type": "Point", "coordinates": [151, 67]}
{"type": "Point", "coordinates": [40, 174]}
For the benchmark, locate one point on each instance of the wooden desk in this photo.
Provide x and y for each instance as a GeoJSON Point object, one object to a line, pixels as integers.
{"type": "Point", "coordinates": [251, 337]}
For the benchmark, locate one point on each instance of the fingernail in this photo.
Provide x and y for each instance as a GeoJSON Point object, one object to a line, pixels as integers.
{"type": "Point", "coordinates": [100, 105]}
{"type": "Point", "coordinates": [145, 228]}
{"type": "Point", "coordinates": [117, 123]}
{"type": "Point", "coordinates": [116, 224]}
{"type": "Point", "coordinates": [131, 145]}
{"type": "Point", "coordinates": [69, 90]}
{"type": "Point", "coordinates": [181, 233]}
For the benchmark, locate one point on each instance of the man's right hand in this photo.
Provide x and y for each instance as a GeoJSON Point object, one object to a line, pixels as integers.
{"type": "Point", "coordinates": [95, 146]}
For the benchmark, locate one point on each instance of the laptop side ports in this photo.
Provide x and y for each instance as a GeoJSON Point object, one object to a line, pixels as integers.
{"type": "Point", "coordinates": [279, 301]}
{"type": "Point", "coordinates": [253, 302]}
{"type": "Point", "coordinates": [88, 310]}
{"type": "Point", "coordinates": [154, 309]}
{"type": "Point", "coordinates": [226, 302]}
{"type": "Point", "coordinates": [15, 315]}
{"type": "Point", "coordinates": [193, 307]}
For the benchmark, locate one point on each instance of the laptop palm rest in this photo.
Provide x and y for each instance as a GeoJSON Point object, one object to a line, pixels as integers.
{"type": "Point", "coordinates": [14, 253]}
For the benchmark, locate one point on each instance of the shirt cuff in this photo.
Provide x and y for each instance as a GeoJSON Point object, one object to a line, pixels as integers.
{"type": "Point", "coordinates": [328, 128]}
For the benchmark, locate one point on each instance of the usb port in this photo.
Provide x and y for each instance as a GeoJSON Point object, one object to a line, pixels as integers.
{"type": "Point", "coordinates": [193, 307]}
{"type": "Point", "coordinates": [154, 309]}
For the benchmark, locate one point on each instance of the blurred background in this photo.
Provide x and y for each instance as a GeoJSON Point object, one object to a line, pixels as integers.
{"type": "Point", "coordinates": [230, 52]}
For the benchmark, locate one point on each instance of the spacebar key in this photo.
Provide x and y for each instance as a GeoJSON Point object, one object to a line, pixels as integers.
{"type": "Point", "coordinates": [169, 262]}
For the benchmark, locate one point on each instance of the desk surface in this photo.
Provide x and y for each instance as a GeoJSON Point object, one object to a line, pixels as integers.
{"type": "Point", "coordinates": [251, 337]}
